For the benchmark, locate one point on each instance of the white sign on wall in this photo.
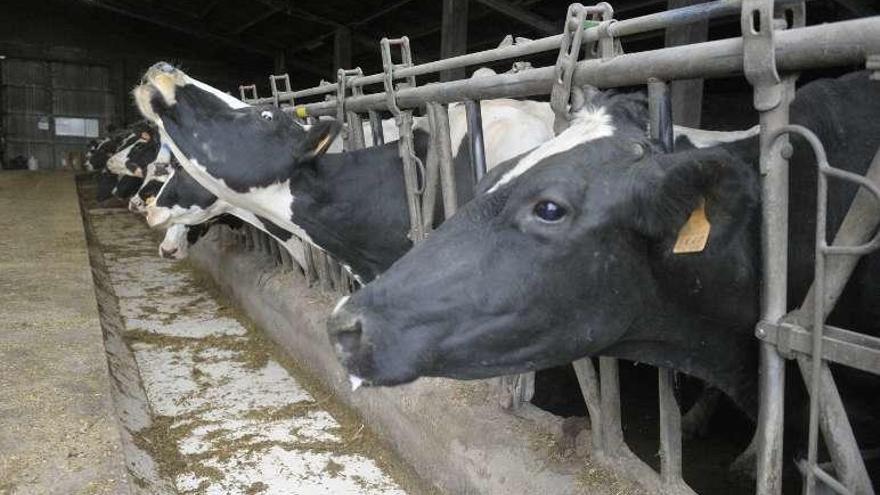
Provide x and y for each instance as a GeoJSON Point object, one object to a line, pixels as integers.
{"type": "Point", "coordinates": [75, 126]}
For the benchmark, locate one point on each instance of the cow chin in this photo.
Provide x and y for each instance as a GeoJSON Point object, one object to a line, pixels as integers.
{"type": "Point", "coordinates": [143, 98]}
{"type": "Point", "coordinates": [157, 217]}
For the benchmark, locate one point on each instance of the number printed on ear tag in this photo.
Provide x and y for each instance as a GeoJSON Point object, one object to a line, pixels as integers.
{"type": "Point", "coordinates": [694, 234]}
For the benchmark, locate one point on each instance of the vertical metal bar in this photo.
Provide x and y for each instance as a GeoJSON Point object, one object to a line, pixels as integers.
{"type": "Point", "coordinates": [475, 138]}
{"type": "Point", "coordinates": [286, 259]}
{"type": "Point", "coordinates": [772, 96]}
{"type": "Point", "coordinates": [818, 325]}
{"type": "Point", "coordinates": [432, 173]}
{"type": "Point", "coordinates": [376, 128]}
{"type": "Point", "coordinates": [444, 151]}
{"type": "Point", "coordinates": [589, 385]}
{"type": "Point", "coordinates": [670, 429]}
{"type": "Point", "coordinates": [453, 35]}
{"type": "Point", "coordinates": [687, 95]}
{"type": "Point", "coordinates": [609, 382]}
{"type": "Point", "coordinates": [311, 264]}
{"type": "Point", "coordinates": [660, 113]}
{"type": "Point", "coordinates": [334, 271]}
{"type": "Point", "coordinates": [323, 266]}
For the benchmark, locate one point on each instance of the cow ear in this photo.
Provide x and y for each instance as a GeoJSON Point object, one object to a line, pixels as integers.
{"type": "Point", "coordinates": [317, 140]}
{"type": "Point", "coordinates": [691, 188]}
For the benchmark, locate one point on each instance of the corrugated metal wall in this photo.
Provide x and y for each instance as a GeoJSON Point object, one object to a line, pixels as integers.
{"type": "Point", "coordinates": [35, 94]}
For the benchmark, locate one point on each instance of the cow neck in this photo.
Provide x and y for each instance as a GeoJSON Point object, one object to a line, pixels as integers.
{"type": "Point", "coordinates": [353, 205]}
{"type": "Point", "coordinates": [720, 352]}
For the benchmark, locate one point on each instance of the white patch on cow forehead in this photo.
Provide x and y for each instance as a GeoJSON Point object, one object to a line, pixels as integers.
{"type": "Point", "coordinates": [587, 125]}
{"type": "Point", "coordinates": [704, 139]}
{"type": "Point", "coordinates": [230, 100]}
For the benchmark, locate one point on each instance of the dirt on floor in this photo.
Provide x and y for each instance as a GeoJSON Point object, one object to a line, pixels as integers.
{"type": "Point", "coordinates": [57, 430]}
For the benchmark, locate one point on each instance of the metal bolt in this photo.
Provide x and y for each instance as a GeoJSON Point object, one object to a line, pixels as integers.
{"type": "Point", "coordinates": [760, 332]}
{"type": "Point", "coordinates": [786, 151]}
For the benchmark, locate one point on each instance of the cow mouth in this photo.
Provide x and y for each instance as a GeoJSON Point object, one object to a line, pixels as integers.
{"type": "Point", "coordinates": [160, 81]}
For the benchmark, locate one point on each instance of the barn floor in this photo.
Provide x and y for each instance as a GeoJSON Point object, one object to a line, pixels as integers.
{"type": "Point", "coordinates": [228, 416]}
{"type": "Point", "coordinates": [57, 429]}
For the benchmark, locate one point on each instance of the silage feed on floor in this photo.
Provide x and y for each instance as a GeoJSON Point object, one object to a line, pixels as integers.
{"type": "Point", "coordinates": [228, 416]}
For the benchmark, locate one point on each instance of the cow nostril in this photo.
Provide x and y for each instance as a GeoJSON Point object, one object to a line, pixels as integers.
{"type": "Point", "coordinates": [348, 336]}
{"type": "Point", "coordinates": [167, 253]}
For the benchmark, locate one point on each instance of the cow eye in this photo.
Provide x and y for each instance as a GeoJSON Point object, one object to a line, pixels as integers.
{"type": "Point", "coordinates": [267, 115]}
{"type": "Point", "coordinates": [549, 211]}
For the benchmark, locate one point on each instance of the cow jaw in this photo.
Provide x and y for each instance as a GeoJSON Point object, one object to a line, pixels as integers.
{"type": "Point", "coordinates": [157, 216]}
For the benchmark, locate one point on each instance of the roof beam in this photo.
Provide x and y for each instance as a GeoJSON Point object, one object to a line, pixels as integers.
{"type": "Point", "coordinates": [209, 8]}
{"type": "Point", "coordinates": [191, 29]}
{"type": "Point", "coordinates": [256, 20]}
{"type": "Point", "coordinates": [860, 8]}
{"type": "Point", "coordinates": [524, 16]}
{"type": "Point", "coordinates": [284, 6]}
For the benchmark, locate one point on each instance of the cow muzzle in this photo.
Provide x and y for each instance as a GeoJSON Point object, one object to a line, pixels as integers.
{"type": "Point", "coordinates": [162, 79]}
{"type": "Point", "coordinates": [346, 331]}
{"type": "Point", "coordinates": [135, 204]}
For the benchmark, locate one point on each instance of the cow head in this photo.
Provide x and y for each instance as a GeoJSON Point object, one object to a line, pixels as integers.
{"type": "Point", "coordinates": [135, 155]}
{"type": "Point", "coordinates": [180, 200]}
{"type": "Point", "coordinates": [175, 244]}
{"type": "Point", "coordinates": [199, 120]}
{"type": "Point", "coordinates": [566, 255]}
{"type": "Point", "coordinates": [156, 176]}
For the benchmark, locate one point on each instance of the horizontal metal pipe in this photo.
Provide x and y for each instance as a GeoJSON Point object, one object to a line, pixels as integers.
{"type": "Point", "coordinates": [824, 45]}
{"type": "Point", "coordinates": [636, 25]}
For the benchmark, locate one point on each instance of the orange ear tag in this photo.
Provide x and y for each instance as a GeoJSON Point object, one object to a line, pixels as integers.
{"type": "Point", "coordinates": [694, 234]}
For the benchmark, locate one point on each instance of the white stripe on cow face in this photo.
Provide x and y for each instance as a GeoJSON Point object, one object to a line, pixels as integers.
{"type": "Point", "coordinates": [230, 100]}
{"type": "Point", "coordinates": [704, 139]}
{"type": "Point", "coordinates": [587, 125]}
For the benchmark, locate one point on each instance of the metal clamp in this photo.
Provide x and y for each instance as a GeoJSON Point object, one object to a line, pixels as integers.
{"type": "Point", "coordinates": [759, 52]}
{"type": "Point", "coordinates": [389, 68]}
{"type": "Point", "coordinates": [273, 85]}
{"type": "Point", "coordinates": [569, 50]}
{"type": "Point", "coordinates": [242, 91]}
{"type": "Point", "coordinates": [353, 131]}
{"type": "Point", "coordinates": [411, 163]}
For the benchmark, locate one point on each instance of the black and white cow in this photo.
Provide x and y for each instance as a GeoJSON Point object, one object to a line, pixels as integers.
{"type": "Point", "coordinates": [348, 204]}
{"type": "Point", "coordinates": [100, 151]}
{"type": "Point", "coordinates": [568, 252]}
{"type": "Point", "coordinates": [184, 208]}
{"type": "Point", "coordinates": [134, 157]}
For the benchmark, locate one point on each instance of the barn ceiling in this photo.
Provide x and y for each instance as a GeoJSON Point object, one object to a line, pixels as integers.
{"type": "Point", "coordinates": [304, 30]}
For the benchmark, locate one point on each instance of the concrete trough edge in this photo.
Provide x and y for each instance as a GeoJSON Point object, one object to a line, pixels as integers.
{"type": "Point", "coordinates": [452, 432]}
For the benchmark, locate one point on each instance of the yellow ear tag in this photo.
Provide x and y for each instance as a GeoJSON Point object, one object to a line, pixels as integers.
{"type": "Point", "coordinates": [694, 234]}
{"type": "Point", "coordinates": [302, 112]}
{"type": "Point", "coordinates": [323, 144]}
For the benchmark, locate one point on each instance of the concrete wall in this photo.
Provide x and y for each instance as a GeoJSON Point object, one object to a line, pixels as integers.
{"type": "Point", "coordinates": [453, 432]}
{"type": "Point", "coordinates": [78, 32]}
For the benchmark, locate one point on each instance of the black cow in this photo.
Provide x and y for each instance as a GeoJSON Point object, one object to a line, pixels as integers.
{"type": "Point", "coordinates": [571, 256]}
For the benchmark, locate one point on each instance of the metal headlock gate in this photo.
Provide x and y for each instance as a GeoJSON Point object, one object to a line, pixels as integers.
{"type": "Point", "coordinates": [773, 47]}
